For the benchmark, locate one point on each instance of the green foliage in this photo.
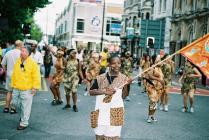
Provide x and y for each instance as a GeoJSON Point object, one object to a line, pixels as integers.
{"type": "Point", "coordinates": [36, 33]}
{"type": "Point", "coordinates": [19, 12]}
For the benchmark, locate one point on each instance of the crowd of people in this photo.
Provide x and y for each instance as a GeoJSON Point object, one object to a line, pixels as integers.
{"type": "Point", "coordinates": [157, 82]}
{"type": "Point", "coordinates": [107, 77]}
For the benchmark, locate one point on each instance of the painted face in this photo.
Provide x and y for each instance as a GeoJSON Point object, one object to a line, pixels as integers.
{"type": "Point", "coordinates": [115, 64]}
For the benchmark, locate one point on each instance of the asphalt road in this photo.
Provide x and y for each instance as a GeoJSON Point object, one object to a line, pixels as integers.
{"type": "Point", "coordinates": [49, 122]}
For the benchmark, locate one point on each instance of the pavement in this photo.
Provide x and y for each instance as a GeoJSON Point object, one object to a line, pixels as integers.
{"type": "Point", "coordinates": [3, 93]}
{"type": "Point", "coordinates": [49, 122]}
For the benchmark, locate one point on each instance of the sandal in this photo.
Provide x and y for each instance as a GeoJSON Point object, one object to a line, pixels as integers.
{"type": "Point", "coordinates": [54, 102]}
{"type": "Point", "coordinates": [59, 102]}
{"type": "Point", "coordinates": [66, 107]}
{"type": "Point", "coordinates": [13, 111]}
{"type": "Point", "coordinates": [75, 109]}
{"type": "Point", "coordinates": [6, 110]}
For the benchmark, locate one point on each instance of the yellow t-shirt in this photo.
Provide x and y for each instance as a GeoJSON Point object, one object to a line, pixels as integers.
{"type": "Point", "coordinates": [104, 57]}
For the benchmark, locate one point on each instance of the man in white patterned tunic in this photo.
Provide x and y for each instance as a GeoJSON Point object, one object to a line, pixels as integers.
{"type": "Point", "coordinates": [108, 117]}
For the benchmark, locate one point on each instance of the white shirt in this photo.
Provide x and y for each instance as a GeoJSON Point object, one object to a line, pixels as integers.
{"type": "Point", "coordinates": [79, 56]}
{"type": "Point", "coordinates": [10, 59]}
{"type": "Point", "coordinates": [37, 57]}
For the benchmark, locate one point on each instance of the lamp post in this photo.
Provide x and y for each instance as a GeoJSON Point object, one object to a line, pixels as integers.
{"type": "Point", "coordinates": [103, 17]}
{"type": "Point", "coordinates": [47, 24]}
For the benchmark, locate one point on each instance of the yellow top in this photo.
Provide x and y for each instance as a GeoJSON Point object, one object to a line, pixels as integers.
{"type": "Point", "coordinates": [104, 57]}
{"type": "Point", "coordinates": [27, 77]}
{"type": "Point", "coordinates": [0, 51]}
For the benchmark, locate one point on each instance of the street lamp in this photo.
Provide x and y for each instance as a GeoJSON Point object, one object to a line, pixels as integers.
{"type": "Point", "coordinates": [103, 17]}
{"type": "Point", "coordinates": [47, 12]}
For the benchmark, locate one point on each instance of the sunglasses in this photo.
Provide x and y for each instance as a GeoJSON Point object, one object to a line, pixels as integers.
{"type": "Point", "coordinates": [22, 67]}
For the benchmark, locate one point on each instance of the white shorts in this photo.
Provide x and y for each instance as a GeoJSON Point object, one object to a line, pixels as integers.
{"type": "Point", "coordinates": [108, 131]}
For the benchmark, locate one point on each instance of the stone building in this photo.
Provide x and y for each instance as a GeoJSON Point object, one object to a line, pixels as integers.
{"type": "Point", "coordinates": [190, 21]}
{"type": "Point", "coordinates": [162, 11]}
{"type": "Point", "coordinates": [134, 12]}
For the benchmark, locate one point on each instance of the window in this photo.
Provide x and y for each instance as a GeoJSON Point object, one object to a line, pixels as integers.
{"type": "Point", "coordinates": [164, 6]}
{"type": "Point", "coordinates": [57, 31]}
{"type": "Point", "coordinates": [190, 36]}
{"type": "Point", "coordinates": [190, 2]}
{"type": "Point", "coordinates": [61, 29]}
{"type": "Point", "coordinates": [128, 3]}
{"type": "Point", "coordinates": [205, 4]}
{"type": "Point", "coordinates": [160, 6]}
{"type": "Point", "coordinates": [66, 26]}
{"type": "Point", "coordinates": [126, 23]}
{"type": "Point", "coordinates": [108, 27]}
{"type": "Point", "coordinates": [113, 27]}
{"type": "Point", "coordinates": [131, 2]}
{"type": "Point", "coordinates": [142, 15]}
{"type": "Point", "coordinates": [147, 16]}
{"type": "Point", "coordinates": [208, 4]}
{"type": "Point", "coordinates": [135, 22]}
{"type": "Point", "coordinates": [204, 29]}
{"type": "Point", "coordinates": [178, 4]}
{"type": "Point", "coordinates": [150, 42]}
{"type": "Point", "coordinates": [80, 26]}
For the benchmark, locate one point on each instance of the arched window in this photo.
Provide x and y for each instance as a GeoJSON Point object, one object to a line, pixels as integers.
{"type": "Point", "coordinates": [142, 15]}
{"type": "Point", "coordinates": [160, 6]}
{"type": "Point", "coordinates": [178, 4]}
{"type": "Point", "coordinates": [205, 3]}
{"type": "Point", "coordinates": [190, 35]}
{"type": "Point", "coordinates": [164, 5]}
{"type": "Point", "coordinates": [147, 16]}
{"type": "Point", "coordinates": [126, 23]}
{"type": "Point", "coordinates": [125, 4]}
{"type": "Point", "coordinates": [189, 2]}
{"type": "Point", "coordinates": [204, 30]}
{"type": "Point", "coordinates": [129, 22]}
{"type": "Point", "coordinates": [134, 21]}
{"type": "Point", "coordinates": [131, 2]}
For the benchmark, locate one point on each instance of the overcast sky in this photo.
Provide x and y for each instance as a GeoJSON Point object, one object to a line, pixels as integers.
{"type": "Point", "coordinates": [45, 17]}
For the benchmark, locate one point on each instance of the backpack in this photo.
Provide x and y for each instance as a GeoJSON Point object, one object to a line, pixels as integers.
{"type": "Point", "coordinates": [48, 59]}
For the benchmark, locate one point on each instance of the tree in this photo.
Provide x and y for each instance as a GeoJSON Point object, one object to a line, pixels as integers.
{"type": "Point", "coordinates": [36, 32]}
{"type": "Point", "coordinates": [18, 12]}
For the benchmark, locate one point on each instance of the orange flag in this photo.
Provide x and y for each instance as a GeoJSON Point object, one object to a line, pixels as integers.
{"type": "Point", "coordinates": [198, 53]}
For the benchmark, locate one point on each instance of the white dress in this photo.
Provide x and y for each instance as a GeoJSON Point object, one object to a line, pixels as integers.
{"type": "Point", "coordinates": [104, 126]}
